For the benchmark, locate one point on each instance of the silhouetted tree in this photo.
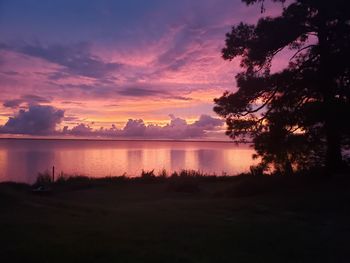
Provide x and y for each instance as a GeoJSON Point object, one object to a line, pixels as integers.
{"type": "Point", "coordinates": [298, 116]}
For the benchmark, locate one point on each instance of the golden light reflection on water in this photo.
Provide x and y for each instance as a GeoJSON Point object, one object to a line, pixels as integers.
{"type": "Point", "coordinates": [3, 164]}
{"type": "Point", "coordinates": [21, 160]}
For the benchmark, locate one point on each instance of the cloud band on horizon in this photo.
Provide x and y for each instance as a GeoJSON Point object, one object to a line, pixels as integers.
{"type": "Point", "coordinates": [43, 120]}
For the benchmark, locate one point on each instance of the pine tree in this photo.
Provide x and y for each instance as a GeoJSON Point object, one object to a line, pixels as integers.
{"type": "Point", "coordinates": [298, 116]}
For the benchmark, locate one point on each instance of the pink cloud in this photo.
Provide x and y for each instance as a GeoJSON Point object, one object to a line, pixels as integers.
{"type": "Point", "coordinates": [166, 60]}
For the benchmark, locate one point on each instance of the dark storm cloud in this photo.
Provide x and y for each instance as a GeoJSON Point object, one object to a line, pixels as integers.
{"type": "Point", "coordinates": [155, 91]}
{"type": "Point", "coordinates": [10, 73]}
{"type": "Point", "coordinates": [27, 99]}
{"type": "Point", "coordinates": [139, 92]}
{"type": "Point", "coordinates": [100, 89]}
{"type": "Point", "coordinates": [37, 120]}
{"type": "Point", "coordinates": [148, 92]}
{"type": "Point", "coordinates": [35, 99]}
{"type": "Point", "coordinates": [12, 103]}
{"type": "Point", "coordinates": [76, 59]}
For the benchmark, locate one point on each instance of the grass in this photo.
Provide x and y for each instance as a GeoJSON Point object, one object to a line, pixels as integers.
{"type": "Point", "coordinates": [186, 217]}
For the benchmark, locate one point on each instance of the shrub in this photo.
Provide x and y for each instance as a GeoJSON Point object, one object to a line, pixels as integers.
{"type": "Point", "coordinates": [163, 174]}
{"type": "Point", "coordinates": [43, 179]}
{"type": "Point", "coordinates": [147, 176]}
{"type": "Point", "coordinates": [256, 170]}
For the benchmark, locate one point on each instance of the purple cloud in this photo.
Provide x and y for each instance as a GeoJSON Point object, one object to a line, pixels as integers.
{"type": "Point", "coordinates": [139, 92]}
{"type": "Point", "coordinates": [134, 128]}
{"type": "Point", "coordinates": [15, 103]}
{"type": "Point", "coordinates": [76, 59]}
{"type": "Point", "coordinates": [42, 120]}
{"type": "Point", "coordinates": [119, 58]}
{"type": "Point", "coordinates": [207, 122]}
{"type": "Point", "coordinates": [25, 99]}
{"type": "Point", "coordinates": [37, 120]}
{"type": "Point", "coordinates": [148, 91]}
{"type": "Point", "coordinates": [80, 130]}
{"type": "Point", "coordinates": [11, 73]}
{"type": "Point", "coordinates": [177, 128]}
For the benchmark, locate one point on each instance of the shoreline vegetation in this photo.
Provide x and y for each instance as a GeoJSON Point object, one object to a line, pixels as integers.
{"type": "Point", "coordinates": [182, 217]}
{"type": "Point", "coordinates": [47, 178]}
{"type": "Point", "coordinates": [125, 140]}
{"type": "Point", "coordinates": [250, 183]}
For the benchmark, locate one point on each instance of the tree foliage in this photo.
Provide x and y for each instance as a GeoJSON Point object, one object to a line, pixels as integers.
{"type": "Point", "coordinates": [297, 116]}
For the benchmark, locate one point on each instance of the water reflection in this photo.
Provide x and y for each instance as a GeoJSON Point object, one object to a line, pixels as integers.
{"type": "Point", "coordinates": [177, 159]}
{"type": "Point", "coordinates": [21, 160]}
{"type": "Point", "coordinates": [132, 156]}
{"type": "Point", "coordinates": [207, 159]}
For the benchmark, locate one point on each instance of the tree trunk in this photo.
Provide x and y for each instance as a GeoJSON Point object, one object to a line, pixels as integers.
{"type": "Point", "coordinates": [288, 169]}
{"type": "Point", "coordinates": [327, 84]}
{"type": "Point", "coordinates": [334, 160]}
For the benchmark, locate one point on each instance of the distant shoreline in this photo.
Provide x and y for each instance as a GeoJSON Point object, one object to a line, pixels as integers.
{"type": "Point", "coordinates": [121, 140]}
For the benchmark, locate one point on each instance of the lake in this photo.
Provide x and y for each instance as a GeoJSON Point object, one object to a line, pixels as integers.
{"type": "Point", "coordinates": [21, 160]}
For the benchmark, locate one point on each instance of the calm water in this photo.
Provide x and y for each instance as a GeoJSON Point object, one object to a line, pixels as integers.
{"type": "Point", "coordinates": [21, 160]}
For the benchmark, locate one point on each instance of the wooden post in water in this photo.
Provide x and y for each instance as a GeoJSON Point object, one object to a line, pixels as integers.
{"type": "Point", "coordinates": [53, 174]}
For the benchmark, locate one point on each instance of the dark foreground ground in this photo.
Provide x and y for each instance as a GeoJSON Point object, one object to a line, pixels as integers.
{"type": "Point", "coordinates": [246, 219]}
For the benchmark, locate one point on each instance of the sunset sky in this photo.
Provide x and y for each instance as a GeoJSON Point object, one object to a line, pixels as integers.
{"type": "Point", "coordinates": [135, 68]}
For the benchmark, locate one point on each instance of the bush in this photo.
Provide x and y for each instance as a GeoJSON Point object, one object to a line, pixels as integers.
{"type": "Point", "coordinates": [43, 179]}
{"type": "Point", "coordinates": [256, 170]}
{"type": "Point", "coordinates": [147, 176]}
{"type": "Point", "coordinates": [163, 174]}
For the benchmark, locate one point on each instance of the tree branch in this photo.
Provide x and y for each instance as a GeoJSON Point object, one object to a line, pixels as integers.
{"type": "Point", "coordinates": [262, 106]}
{"type": "Point", "coordinates": [300, 50]}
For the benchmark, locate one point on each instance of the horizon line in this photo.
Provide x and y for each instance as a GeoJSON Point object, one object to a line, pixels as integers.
{"type": "Point", "coordinates": [126, 140]}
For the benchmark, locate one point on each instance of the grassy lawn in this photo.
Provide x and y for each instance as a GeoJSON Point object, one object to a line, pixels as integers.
{"type": "Point", "coordinates": [238, 220]}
